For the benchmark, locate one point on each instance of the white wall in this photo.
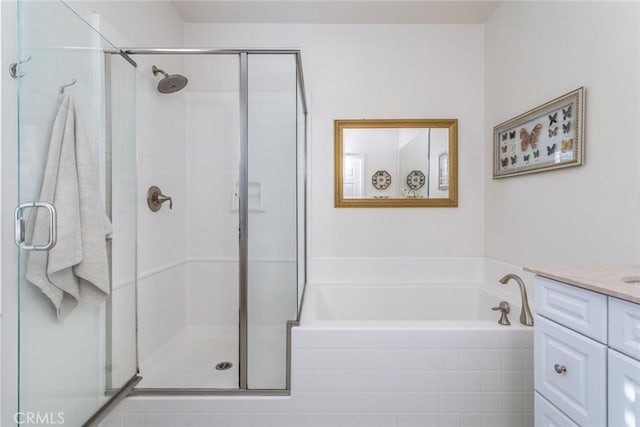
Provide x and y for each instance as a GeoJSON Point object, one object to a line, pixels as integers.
{"type": "Point", "coordinates": [213, 157]}
{"type": "Point", "coordinates": [161, 130]}
{"type": "Point", "coordinates": [8, 383]}
{"type": "Point", "coordinates": [1, 204]}
{"type": "Point", "coordinates": [585, 215]}
{"type": "Point", "coordinates": [382, 71]}
{"type": "Point", "coordinates": [142, 23]}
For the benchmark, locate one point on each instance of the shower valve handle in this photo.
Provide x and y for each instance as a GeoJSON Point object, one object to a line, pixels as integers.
{"type": "Point", "coordinates": [162, 198]}
{"type": "Point", "coordinates": [155, 199]}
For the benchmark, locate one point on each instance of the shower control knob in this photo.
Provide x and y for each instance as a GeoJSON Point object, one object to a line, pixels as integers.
{"type": "Point", "coordinates": [155, 199]}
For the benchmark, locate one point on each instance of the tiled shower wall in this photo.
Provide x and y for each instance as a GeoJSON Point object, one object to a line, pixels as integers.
{"type": "Point", "coordinates": [374, 378]}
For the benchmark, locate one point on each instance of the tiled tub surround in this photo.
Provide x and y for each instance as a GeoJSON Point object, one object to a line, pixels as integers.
{"type": "Point", "coordinates": [366, 373]}
{"type": "Point", "coordinates": [370, 377]}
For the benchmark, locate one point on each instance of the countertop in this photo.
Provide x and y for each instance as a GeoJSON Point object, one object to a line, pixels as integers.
{"type": "Point", "coordinates": [604, 280]}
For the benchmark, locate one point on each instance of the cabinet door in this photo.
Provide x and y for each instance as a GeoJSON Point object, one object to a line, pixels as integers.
{"type": "Point", "coordinates": [570, 372]}
{"type": "Point", "coordinates": [624, 390]}
{"type": "Point", "coordinates": [578, 309]}
{"type": "Point", "coordinates": [624, 327]}
{"type": "Point", "coordinates": [547, 415]}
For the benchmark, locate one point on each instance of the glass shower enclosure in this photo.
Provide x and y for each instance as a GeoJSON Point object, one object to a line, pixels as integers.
{"type": "Point", "coordinates": [76, 219]}
{"type": "Point", "coordinates": [244, 114]}
{"type": "Point", "coordinates": [81, 345]}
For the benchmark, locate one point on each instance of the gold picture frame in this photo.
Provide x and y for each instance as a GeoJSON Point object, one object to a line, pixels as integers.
{"type": "Point", "coordinates": [548, 137]}
{"type": "Point", "coordinates": [421, 188]}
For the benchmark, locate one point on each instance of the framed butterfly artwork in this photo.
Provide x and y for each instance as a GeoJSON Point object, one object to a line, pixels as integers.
{"type": "Point", "coordinates": [547, 137]}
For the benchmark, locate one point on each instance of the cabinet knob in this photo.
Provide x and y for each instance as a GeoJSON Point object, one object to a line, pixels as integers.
{"type": "Point", "coordinates": [560, 369]}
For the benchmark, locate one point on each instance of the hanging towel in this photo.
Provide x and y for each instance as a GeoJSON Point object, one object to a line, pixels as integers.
{"type": "Point", "coordinates": [70, 183]}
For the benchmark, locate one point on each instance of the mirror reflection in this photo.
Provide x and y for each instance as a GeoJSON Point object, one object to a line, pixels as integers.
{"type": "Point", "coordinates": [395, 162]}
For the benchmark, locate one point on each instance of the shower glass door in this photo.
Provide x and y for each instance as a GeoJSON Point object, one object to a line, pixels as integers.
{"type": "Point", "coordinates": [74, 355]}
{"type": "Point", "coordinates": [272, 241]}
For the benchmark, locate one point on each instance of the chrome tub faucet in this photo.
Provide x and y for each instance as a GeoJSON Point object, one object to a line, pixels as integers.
{"type": "Point", "coordinates": [525, 314]}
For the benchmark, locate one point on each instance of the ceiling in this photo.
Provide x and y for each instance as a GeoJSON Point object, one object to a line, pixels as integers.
{"type": "Point", "coordinates": [337, 11]}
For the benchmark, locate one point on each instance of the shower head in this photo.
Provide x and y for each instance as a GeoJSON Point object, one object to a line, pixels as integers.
{"type": "Point", "coordinates": [169, 83]}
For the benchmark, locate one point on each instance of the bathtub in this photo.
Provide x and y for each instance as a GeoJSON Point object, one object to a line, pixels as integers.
{"type": "Point", "coordinates": [400, 355]}
{"type": "Point", "coordinates": [414, 305]}
{"type": "Point", "coordinates": [430, 354]}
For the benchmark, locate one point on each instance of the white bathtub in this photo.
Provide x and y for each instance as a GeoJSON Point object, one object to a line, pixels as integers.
{"type": "Point", "coordinates": [432, 354]}
{"type": "Point", "coordinates": [410, 305]}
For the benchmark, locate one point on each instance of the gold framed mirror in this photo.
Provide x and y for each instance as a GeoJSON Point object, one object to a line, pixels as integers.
{"type": "Point", "coordinates": [396, 163]}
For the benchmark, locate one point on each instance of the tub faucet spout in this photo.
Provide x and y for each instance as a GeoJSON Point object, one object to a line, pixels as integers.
{"type": "Point", "coordinates": [525, 314]}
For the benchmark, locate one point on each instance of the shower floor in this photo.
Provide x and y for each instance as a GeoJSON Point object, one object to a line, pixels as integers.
{"type": "Point", "coordinates": [189, 360]}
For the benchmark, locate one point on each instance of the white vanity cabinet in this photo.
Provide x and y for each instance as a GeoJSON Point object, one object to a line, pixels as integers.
{"type": "Point", "coordinates": [624, 363]}
{"type": "Point", "coordinates": [586, 357]}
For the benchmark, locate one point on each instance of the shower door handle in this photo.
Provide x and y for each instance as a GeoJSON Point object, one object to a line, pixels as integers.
{"type": "Point", "coordinates": [20, 226]}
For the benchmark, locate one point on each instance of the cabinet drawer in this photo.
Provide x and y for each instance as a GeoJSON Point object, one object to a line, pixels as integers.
{"type": "Point", "coordinates": [578, 309]}
{"type": "Point", "coordinates": [624, 327]}
{"type": "Point", "coordinates": [570, 372]}
{"type": "Point", "coordinates": [547, 415]}
{"type": "Point", "coordinates": [624, 390]}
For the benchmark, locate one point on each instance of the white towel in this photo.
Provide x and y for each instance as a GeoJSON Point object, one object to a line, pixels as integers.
{"type": "Point", "coordinates": [70, 183]}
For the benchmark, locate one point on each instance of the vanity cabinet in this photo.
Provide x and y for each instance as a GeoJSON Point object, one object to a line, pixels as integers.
{"type": "Point", "coordinates": [586, 358]}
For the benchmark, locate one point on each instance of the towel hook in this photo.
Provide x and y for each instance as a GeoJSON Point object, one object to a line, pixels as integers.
{"type": "Point", "coordinates": [13, 68]}
{"type": "Point", "coordinates": [63, 87]}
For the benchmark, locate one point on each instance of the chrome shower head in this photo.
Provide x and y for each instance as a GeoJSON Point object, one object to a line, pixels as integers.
{"type": "Point", "coordinates": [169, 83]}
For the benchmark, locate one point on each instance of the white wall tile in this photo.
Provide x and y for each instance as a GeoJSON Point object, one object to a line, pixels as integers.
{"type": "Point", "coordinates": [491, 381]}
{"type": "Point", "coordinates": [155, 419]}
{"type": "Point", "coordinates": [133, 419]}
{"type": "Point", "coordinates": [471, 381]}
{"type": "Point", "coordinates": [471, 420]}
{"type": "Point", "coordinates": [513, 381]}
{"type": "Point", "coordinates": [492, 402]}
{"type": "Point", "coordinates": [449, 402]}
{"type": "Point", "coordinates": [450, 420]}
{"type": "Point", "coordinates": [161, 309]}
{"type": "Point", "coordinates": [197, 420]}
{"type": "Point", "coordinates": [492, 420]}
{"type": "Point", "coordinates": [407, 420]}
{"type": "Point", "coordinates": [491, 339]}
{"type": "Point", "coordinates": [448, 359]}
{"type": "Point", "coordinates": [471, 340]}
{"type": "Point", "coordinates": [513, 359]}
{"type": "Point", "coordinates": [513, 403]}
{"type": "Point", "coordinates": [177, 419]}
{"type": "Point", "coordinates": [336, 382]}
{"type": "Point", "coordinates": [428, 402]}
{"type": "Point", "coordinates": [470, 402]}
{"type": "Point", "coordinates": [448, 381]}
{"type": "Point", "coordinates": [512, 420]}
{"type": "Point", "coordinates": [429, 420]}
{"type": "Point", "coordinates": [469, 360]}
{"type": "Point", "coordinates": [492, 359]}
{"type": "Point", "coordinates": [428, 359]}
